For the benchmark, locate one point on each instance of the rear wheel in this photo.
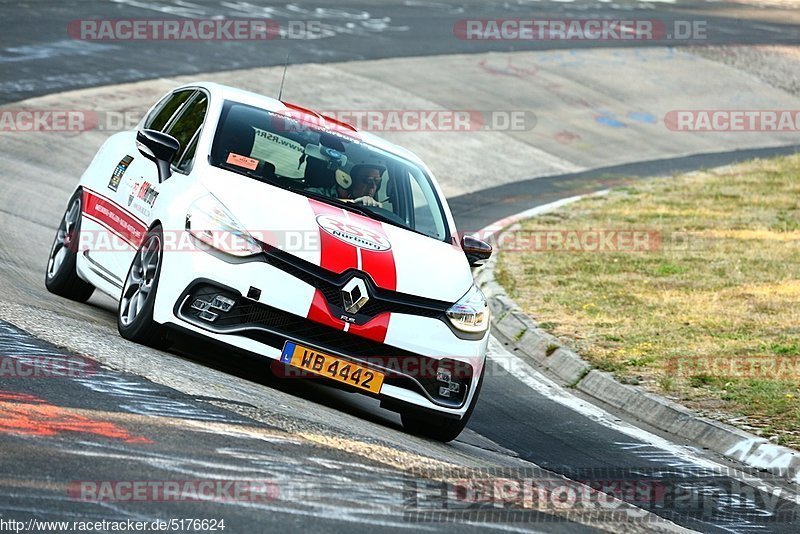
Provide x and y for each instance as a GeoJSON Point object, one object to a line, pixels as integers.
{"type": "Point", "coordinates": [436, 426]}
{"type": "Point", "coordinates": [61, 277]}
{"type": "Point", "coordinates": [135, 313]}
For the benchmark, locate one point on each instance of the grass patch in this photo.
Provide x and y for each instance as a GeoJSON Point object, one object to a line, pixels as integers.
{"type": "Point", "coordinates": [519, 334]}
{"type": "Point", "coordinates": [719, 281]}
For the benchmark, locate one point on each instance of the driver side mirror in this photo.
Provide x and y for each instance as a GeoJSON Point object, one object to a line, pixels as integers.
{"type": "Point", "coordinates": [477, 251]}
{"type": "Point", "coordinates": [159, 148]}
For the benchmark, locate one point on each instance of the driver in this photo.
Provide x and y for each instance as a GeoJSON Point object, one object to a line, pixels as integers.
{"type": "Point", "coordinates": [360, 186]}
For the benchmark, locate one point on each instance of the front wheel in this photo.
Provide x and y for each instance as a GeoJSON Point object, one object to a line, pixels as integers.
{"type": "Point", "coordinates": [135, 313]}
{"type": "Point", "coordinates": [61, 277]}
{"type": "Point", "coordinates": [438, 427]}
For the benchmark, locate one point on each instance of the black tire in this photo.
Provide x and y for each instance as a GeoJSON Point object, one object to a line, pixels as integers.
{"type": "Point", "coordinates": [438, 427]}
{"type": "Point", "coordinates": [60, 277]}
{"type": "Point", "coordinates": [135, 311]}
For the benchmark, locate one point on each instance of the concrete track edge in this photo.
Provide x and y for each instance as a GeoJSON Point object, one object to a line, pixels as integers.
{"type": "Point", "coordinates": [525, 338]}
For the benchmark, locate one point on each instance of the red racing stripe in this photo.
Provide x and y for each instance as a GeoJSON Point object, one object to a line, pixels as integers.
{"type": "Point", "coordinates": [335, 255]}
{"type": "Point", "coordinates": [374, 329]}
{"type": "Point", "coordinates": [338, 255]}
{"type": "Point", "coordinates": [320, 313]}
{"type": "Point", "coordinates": [378, 263]}
{"type": "Point", "coordinates": [109, 214]}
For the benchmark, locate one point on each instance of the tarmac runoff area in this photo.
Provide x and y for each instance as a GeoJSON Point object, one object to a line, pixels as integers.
{"type": "Point", "coordinates": [599, 108]}
{"type": "Point", "coordinates": [487, 120]}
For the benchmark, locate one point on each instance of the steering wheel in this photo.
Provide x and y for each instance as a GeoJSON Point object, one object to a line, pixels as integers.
{"type": "Point", "coordinates": [389, 214]}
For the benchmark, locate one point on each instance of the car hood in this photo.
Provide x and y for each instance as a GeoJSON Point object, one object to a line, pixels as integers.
{"type": "Point", "coordinates": [338, 239]}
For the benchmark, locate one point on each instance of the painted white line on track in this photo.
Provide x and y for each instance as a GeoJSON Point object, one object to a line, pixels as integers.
{"type": "Point", "coordinates": [525, 373]}
{"type": "Point", "coordinates": [496, 226]}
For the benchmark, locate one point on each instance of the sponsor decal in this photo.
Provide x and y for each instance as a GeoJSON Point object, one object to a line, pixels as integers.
{"type": "Point", "coordinates": [353, 233]}
{"type": "Point", "coordinates": [119, 172]}
{"type": "Point", "coordinates": [144, 212]}
{"type": "Point", "coordinates": [107, 213]}
{"type": "Point", "coordinates": [145, 192]}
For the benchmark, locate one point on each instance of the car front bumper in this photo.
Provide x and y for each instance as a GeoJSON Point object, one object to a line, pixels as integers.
{"type": "Point", "coordinates": [272, 307]}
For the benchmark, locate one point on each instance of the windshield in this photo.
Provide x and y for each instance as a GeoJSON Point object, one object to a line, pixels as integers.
{"type": "Point", "coordinates": [328, 165]}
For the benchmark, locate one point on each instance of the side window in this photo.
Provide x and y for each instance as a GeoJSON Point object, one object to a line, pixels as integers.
{"type": "Point", "coordinates": [171, 104]}
{"type": "Point", "coordinates": [186, 160]}
{"type": "Point", "coordinates": [424, 208]}
{"type": "Point", "coordinates": [189, 121]}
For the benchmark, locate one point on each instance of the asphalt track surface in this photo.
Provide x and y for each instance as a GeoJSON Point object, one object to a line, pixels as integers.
{"type": "Point", "coordinates": [39, 56]}
{"type": "Point", "coordinates": [142, 430]}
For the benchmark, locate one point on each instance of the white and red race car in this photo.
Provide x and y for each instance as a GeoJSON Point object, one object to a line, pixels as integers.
{"type": "Point", "coordinates": [272, 229]}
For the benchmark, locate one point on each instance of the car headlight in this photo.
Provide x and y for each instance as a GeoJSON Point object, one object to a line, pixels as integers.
{"type": "Point", "coordinates": [213, 224]}
{"type": "Point", "coordinates": [471, 312]}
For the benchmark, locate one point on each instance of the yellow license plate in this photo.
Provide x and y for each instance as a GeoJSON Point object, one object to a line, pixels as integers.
{"type": "Point", "coordinates": [332, 367]}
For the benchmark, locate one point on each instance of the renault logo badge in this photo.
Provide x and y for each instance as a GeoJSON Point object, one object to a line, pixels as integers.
{"type": "Point", "coordinates": [354, 295]}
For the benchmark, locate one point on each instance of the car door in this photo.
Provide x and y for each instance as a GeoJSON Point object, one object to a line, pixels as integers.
{"type": "Point", "coordinates": [115, 224]}
{"type": "Point", "coordinates": [143, 192]}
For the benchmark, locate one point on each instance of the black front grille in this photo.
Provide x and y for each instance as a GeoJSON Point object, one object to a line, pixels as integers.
{"type": "Point", "coordinates": [274, 327]}
{"type": "Point", "coordinates": [330, 285]}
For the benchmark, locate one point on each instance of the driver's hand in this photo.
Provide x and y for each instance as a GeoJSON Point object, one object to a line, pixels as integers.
{"type": "Point", "coordinates": [367, 200]}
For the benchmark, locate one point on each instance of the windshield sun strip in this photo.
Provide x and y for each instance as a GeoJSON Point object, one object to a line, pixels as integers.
{"type": "Point", "coordinates": [361, 210]}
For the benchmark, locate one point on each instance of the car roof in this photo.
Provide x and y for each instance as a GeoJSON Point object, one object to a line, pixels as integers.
{"type": "Point", "coordinates": [227, 92]}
